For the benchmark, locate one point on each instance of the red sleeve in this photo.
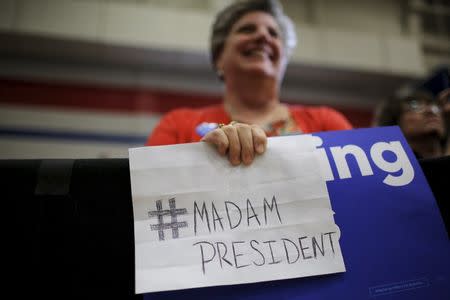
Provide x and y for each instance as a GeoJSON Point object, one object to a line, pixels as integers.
{"type": "Point", "coordinates": [165, 133]}
{"type": "Point", "coordinates": [334, 120]}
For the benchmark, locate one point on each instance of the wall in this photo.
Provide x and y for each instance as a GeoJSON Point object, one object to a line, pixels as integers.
{"type": "Point", "coordinates": [42, 120]}
{"type": "Point", "coordinates": [363, 35]}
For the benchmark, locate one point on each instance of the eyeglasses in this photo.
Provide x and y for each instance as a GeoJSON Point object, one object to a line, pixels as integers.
{"type": "Point", "coordinates": [421, 104]}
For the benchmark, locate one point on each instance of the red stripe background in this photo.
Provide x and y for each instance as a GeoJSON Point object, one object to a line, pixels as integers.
{"type": "Point", "coordinates": [118, 99]}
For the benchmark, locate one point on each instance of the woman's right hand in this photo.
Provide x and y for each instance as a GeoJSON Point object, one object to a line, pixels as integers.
{"type": "Point", "coordinates": [240, 141]}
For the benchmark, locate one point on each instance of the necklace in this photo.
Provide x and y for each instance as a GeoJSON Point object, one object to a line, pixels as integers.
{"type": "Point", "coordinates": [280, 123]}
{"type": "Point", "coordinates": [279, 113]}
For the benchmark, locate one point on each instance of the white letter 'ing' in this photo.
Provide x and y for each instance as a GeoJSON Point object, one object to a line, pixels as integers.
{"type": "Point", "coordinates": [402, 163]}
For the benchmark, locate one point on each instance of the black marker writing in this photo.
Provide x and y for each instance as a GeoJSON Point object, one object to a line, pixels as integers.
{"type": "Point", "coordinates": [173, 212]}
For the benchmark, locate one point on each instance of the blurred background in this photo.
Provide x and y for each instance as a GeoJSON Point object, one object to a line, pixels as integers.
{"type": "Point", "coordinates": [91, 78]}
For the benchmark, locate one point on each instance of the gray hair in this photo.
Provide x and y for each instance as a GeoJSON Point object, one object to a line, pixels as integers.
{"type": "Point", "coordinates": [226, 18]}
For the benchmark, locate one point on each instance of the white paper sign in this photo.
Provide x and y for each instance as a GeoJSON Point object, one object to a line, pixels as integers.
{"type": "Point", "coordinates": [201, 222]}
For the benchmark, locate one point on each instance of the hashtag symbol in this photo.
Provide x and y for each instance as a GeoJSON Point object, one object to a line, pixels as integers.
{"type": "Point", "coordinates": [173, 212]}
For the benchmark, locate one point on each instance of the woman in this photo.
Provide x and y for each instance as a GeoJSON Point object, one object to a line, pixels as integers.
{"type": "Point", "coordinates": [420, 118]}
{"type": "Point", "coordinates": [250, 45]}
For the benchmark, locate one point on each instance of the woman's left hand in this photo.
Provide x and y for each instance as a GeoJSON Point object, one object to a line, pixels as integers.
{"type": "Point", "coordinates": [241, 141]}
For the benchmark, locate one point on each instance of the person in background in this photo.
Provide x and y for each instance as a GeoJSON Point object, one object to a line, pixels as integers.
{"type": "Point", "coordinates": [444, 99]}
{"type": "Point", "coordinates": [250, 45]}
{"type": "Point", "coordinates": [419, 116]}
{"type": "Point", "coordinates": [438, 84]}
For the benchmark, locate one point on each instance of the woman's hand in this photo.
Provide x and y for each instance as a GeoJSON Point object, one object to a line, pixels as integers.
{"type": "Point", "coordinates": [241, 141]}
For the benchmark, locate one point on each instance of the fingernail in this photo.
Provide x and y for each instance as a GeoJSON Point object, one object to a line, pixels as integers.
{"type": "Point", "coordinates": [260, 148]}
{"type": "Point", "coordinates": [236, 162]}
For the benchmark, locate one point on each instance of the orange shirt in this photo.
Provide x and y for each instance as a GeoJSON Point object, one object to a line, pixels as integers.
{"type": "Point", "coordinates": [184, 125]}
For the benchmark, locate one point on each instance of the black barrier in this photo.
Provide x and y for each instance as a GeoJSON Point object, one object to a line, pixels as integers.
{"type": "Point", "coordinates": [73, 234]}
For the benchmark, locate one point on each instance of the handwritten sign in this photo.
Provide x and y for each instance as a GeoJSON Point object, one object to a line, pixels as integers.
{"type": "Point", "coordinates": [201, 222]}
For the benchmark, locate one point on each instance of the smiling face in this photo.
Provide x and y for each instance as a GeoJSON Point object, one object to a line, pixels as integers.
{"type": "Point", "coordinates": [253, 48]}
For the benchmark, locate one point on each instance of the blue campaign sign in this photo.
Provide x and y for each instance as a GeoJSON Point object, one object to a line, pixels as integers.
{"type": "Point", "coordinates": [393, 238]}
